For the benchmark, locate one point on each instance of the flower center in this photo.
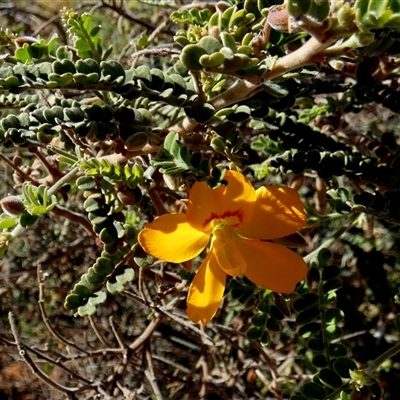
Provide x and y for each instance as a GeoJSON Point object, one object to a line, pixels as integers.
{"type": "Point", "coordinates": [223, 233]}
{"type": "Point", "coordinates": [224, 247]}
{"type": "Point", "coordinates": [229, 218]}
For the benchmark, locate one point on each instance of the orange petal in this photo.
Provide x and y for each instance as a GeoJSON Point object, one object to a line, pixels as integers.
{"type": "Point", "coordinates": [206, 291]}
{"type": "Point", "coordinates": [278, 212]}
{"type": "Point", "coordinates": [229, 257]}
{"type": "Point", "coordinates": [271, 265]}
{"type": "Point", "coordinates": [170, 238]}
{"type": "Point", "coordinates": [232, 203]}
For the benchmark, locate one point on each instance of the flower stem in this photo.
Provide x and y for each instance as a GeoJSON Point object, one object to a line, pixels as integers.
{"type": "Point", "coordinates": [381, 359]}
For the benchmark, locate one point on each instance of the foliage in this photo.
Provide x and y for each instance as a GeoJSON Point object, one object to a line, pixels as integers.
{"type": "Point", "coordinates": [110, 114]}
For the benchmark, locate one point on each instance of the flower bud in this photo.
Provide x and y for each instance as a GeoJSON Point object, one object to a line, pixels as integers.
{"type": "Point", "coordinates": [12, 205]}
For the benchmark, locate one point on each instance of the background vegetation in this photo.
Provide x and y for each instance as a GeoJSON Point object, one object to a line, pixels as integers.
{"type": "Point", "coordinates": [111, 110]}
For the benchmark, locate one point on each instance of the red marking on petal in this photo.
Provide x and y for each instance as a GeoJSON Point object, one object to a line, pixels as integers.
{"type": "Point", "coordinates": [227, 214]}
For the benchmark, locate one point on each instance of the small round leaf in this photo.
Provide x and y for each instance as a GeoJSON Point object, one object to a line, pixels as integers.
{"type": "Point", "coordinates": [313, 391]}
{"type": "Point", "coordinates": [343, 365]}
{"type": "Point", "coordinates": [254, 333]}
{"type": "Point", "coordinates": [307, 316]}
{"type": "Point", "coordinates": [305, 302]}
{"type": "Point", "coordinates": [330, 378]}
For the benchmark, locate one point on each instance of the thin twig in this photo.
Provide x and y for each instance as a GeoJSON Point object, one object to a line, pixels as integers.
{"type": "Point", "coordinates": [149, 374]}
{"type": "Point", "coordinates": [157, 202]}
{"type": "Point", "coordinates": [19, 172]}
{"type": "Point", "coordinates": [44, 358]}
{"type": "Point", "coordinates": [74, 217]}
{"type": "Point", "coordinates": [116, 334]}
{"type": "Point", "coordinates": [45, 318]}
{"type": "Point", "coordinates": [36, 371]}
{"type": "Point", "coordinates": [97, 331]}
{"type": "Point", "coordinates": [62, 181]}
{"type": "Point", "coordinates": [54, 172]}
{"type": "Point", "coordinates": [381, 359]}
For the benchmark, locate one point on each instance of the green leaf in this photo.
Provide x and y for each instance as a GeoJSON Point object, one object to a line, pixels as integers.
{"type": "Point", "coordinates": [142, 42]}
{"type": "Point", "coordinates": [7, 222]}
{"type": "Point", "coordinates": [190, 57]}
{"type": "Point", "coordinates": [114, 287]}
{"type": "Point", "coordinates": [255, 333]}
{"type": "Point", "coordinates": [319, 10]}
{"type": "Point", "coordinates": [361, 7]}
{"type": "Point", "coordinates": [127, 276]}
{"type": "Point", "coordinates": [377, 7]}
{"type": "Point", "coordinates": [23, 54]}
{"type": "Point", "coordinates": [313, 391]}
{"type": "Point", "coordinates": [94, 32]}
{"type": "Point", "coordinates": [38, 210]}
{"type": "Point", "coordinates": [259, 320]}
{"type": "Point", "coordinates": [337, 350]}
{"type": "Point", "coordinates": [316, 345]}
{"type": "Point", "coordinates": [73, 301]}
{"type": "Point", "coordinates": [330, 378]}
{"type": "Point", "coordinates": [97, 298]}
{"type": "Point", "coordinates": [306, 301]}
{"type": "Point", "coordinates": [26, 220]}
{"type": "Point", "coordinates": [81, 290]}
{"type": "Point", "coordinates": [334, 316]}
{"type": "Point", "coordinates": [343, 365]}
{"type": "Point", "coordinates": [309, 330]}
{"type": "Point", "coordinates": [330, 272]}
{"type": "Point", "coordinates": [85, 183]}
{"type": "Point", "coordinates": [307, 316]}
{"type": "Point", "coordinates": [298, 7]}
{"type": "Point", "coordinates": [333, 332]}
{"type": "Point", "coordinates": [323, 257]}
{"type": "Point", "coordinates": [103, 266]}
{"type": "Point", "coordinates": [274, 89]}
{"type": "Point", "coordinates": [113, 69]}
{"type": "Point", "coordinates": [86, 310]}
{"type": "Point", "coordinates": [331, 285]}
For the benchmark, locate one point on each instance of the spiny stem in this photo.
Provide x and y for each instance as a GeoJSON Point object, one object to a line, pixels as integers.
{"type": "Point", "coordinates": [381, 359]}
{"type": "Point", "coordinates": [242, 89]}
{"type": "Point", "coordinates": [65, 179]}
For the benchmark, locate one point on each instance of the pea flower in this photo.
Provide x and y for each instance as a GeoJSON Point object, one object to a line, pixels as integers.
{"type": "Point", "coordinates": [236, 222]}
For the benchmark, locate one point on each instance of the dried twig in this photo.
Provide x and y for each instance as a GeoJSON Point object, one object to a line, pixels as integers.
{"type": "Point", "coordinates": [40, 280]}
{"type": "Point", "coordinates": [27, 358]}
{"type": "Point", "coordinates": [149, 373]}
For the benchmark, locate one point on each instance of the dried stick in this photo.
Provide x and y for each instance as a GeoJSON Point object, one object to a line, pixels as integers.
{"type": "Point", "coordinates": [243, 89]}
{"type": "Point", "coordinates": [134, 347]}
{"type": "Point", "coordinates": [157, 202]}
{"type": "Point", "coordinates": [37, 372]}
{"type": "Point", "coordinates": [45, 318]}
{"type": "Point", "coordinates": [97, 331]}
{"type": "Point", "coordinates": [74, 217]}
{"type": "Point", "coordinates": [57, 363]}
{"type": "Point", "coordinates": [19, 172]}
{"type": "Point", "coordinates": [54, 172]}
{"type": "Point", "coordinates": [149, 374]}
{"type": "Point", "coordinates": [116, 334]}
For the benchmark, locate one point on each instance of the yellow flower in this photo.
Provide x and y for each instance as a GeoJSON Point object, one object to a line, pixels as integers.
{"type": "Point", "coordinates": [236, 220]}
